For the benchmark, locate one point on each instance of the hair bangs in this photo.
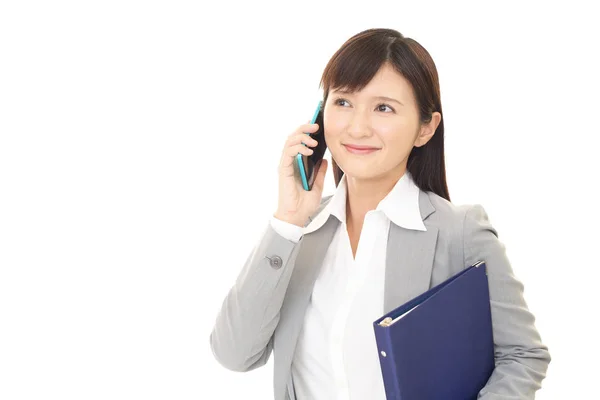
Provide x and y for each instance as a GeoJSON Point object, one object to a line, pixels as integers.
{"type": "Point", "coordinates": [354, 65]}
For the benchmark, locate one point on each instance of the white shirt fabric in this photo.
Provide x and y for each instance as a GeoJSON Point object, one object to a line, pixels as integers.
{"type": "Point", "coordinates": [336, 356]}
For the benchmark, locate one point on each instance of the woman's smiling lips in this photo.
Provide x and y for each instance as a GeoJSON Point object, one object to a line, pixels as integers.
{"type": "Point", "coordinates": [359, 149]}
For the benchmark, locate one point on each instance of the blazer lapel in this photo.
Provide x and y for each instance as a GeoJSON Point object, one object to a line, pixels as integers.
{"type": "Point", "coordinates": [409, 263]}
{"type": "Point", "coordinates": [306, 269]}
{"type": "Point", "coordinates": [409, 260]}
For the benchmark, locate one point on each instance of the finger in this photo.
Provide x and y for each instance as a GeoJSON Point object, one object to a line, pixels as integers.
{"type": "Point", "coordinates": [301, 138]}
{"type": "Point", "coordinates": [299, 148]}
{"type": "Point", "coordinates": [290, 153]}
{"type": "Point", "coordinates": [305, 128]}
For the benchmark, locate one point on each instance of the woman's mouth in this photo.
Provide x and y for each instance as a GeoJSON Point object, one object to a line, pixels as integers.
{"type": "Point", "coordinates": [354, 149]}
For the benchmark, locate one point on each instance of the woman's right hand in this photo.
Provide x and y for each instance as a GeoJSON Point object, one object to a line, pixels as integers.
{"type": "Point", "coordinates": [295, 204]}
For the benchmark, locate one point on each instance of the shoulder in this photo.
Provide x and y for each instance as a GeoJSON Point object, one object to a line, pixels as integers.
{"type": "Point", "coordinates": [447, 212]}
{"type": "Point", "coordinates": [465, 225]}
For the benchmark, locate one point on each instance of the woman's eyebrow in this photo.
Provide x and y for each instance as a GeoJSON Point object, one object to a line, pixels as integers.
{"type": "Point", "coordinates": [341, 91]}
{"type": "Point", "coordinates": [388, 99]}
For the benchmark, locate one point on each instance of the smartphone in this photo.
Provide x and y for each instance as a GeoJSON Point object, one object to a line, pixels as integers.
{"type": "Point", "coordinates": [308, 166]}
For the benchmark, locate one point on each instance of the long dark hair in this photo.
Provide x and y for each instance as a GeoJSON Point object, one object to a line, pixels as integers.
{"type": "Point", "coordinates": [355, 64]}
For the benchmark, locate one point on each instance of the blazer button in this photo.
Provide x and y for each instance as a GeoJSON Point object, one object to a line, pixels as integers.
{"type": "Point", "coordinates": [275, 261]}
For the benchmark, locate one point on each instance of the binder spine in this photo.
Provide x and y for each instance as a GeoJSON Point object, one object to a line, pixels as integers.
{"type": "Point", "coordinates": [387, 362]}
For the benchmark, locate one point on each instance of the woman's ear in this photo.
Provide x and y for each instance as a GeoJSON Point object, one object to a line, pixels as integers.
{"type": "Point", "coordinates": [428, 130]}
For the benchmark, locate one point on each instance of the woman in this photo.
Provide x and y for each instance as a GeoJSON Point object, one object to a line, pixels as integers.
{"type": "Point", "coordinates": [326, 268]}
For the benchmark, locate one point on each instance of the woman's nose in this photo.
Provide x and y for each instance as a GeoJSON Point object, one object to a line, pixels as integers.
{"type": "Point", "coordinates": [358, 125]}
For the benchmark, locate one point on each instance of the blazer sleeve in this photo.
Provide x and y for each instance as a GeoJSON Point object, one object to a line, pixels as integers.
{"type": "Point", "coordinates": [242, 336]}
{"type": "Point", "coordinates": [521, 359]}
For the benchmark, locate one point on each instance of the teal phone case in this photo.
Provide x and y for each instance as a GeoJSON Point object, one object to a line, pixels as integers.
{"type": "Point", "coordinates": [299, 160]}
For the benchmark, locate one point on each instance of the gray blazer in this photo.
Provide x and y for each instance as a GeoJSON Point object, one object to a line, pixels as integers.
{"type": "Point", "coordinates": [264, 310]}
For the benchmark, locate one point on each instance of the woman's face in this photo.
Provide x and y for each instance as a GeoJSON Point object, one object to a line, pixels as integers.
{"type": "Point", "coordinates": [383, 115]}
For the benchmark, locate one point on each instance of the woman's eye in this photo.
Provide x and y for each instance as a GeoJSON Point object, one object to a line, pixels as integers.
{"type": "Point", "coordinates": [385, 105]}
{"type": "Point", "coordinates": [380, 107]}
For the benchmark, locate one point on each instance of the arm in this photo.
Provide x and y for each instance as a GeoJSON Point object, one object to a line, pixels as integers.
{"type": "Point", "coordinates": [242, 337]}
{"type": "Point", "coordinates": [520, 356]}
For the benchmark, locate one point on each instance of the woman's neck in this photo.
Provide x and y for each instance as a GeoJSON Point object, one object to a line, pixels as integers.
{"type": "Point", "coordinates": [365, 195]}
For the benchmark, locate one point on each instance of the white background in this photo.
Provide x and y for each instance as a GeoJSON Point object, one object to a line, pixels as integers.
{"type": "Point", "coordinates": [138, 166]}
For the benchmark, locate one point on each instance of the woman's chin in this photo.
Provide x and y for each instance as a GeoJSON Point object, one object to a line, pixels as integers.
{"type": "Point", "coordinates": [360, 172]}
